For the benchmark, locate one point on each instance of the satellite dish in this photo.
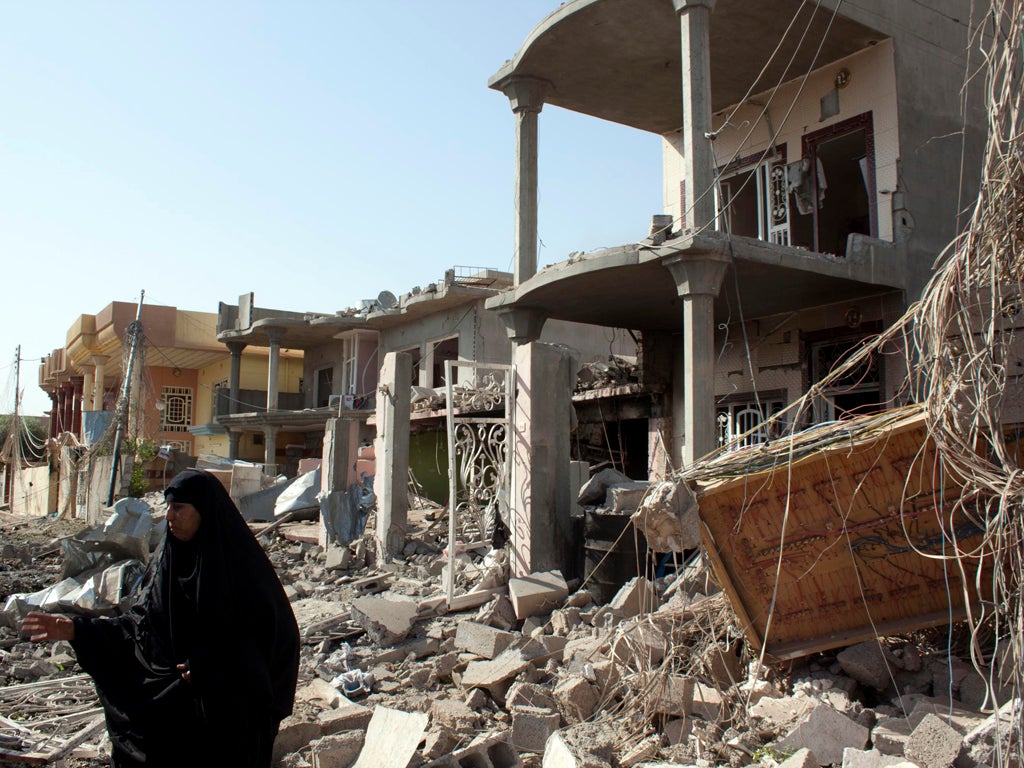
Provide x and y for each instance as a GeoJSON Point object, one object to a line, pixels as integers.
{"type": "Point", "coordinates": [386, 300]}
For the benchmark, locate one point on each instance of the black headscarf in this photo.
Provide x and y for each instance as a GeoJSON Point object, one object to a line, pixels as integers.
{"type": "Point", "coordinates": [213, 603]}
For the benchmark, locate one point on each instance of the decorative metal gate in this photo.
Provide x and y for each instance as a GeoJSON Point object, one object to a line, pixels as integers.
{"type": "Point", "coordinates": [479, 461]}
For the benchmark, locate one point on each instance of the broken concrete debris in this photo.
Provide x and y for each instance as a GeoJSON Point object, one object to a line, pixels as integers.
{"type": "Point", "coordinates": [658, 675]}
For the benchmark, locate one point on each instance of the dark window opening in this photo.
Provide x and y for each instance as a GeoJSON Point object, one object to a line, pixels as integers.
{"type": "Point", "coordinates": [857, 392]}
{"type": "Point", "coordinates": [443, 351]}
{"type": "Point", "coordinates": [620, 444]}
{"type": "Point", "coordinates": [324, 387]}
{"type": "Point", "coordinates": [832, 189]}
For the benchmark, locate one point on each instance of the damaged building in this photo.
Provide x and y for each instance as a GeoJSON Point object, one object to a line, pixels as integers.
{"type": "Point", "coordinates": [726, 408]}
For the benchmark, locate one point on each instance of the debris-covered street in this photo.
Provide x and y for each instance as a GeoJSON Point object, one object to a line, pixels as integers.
{"type": "Point", "coordinates": [745, 492]}
{"type": "Point", "coordinates": [660, 674]}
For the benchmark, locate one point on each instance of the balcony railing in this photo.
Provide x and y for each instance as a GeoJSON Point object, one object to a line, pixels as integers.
{"type": "Point", "coordinates": [250, 400]}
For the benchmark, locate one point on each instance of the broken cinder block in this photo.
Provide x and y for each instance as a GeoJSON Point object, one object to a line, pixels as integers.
{"type": "Point", "coordinates": [933, 743]}
{"type": "Point", "coordinates": [826, 733]}
{"type": "Point", "coordinates": [537, 594]}
{"type": "Point", "coordinates": [531, 727]}
{"type": "Point", "coordinates": [386, 622]}
{"type": "Point", "coordinates": [482, 640]}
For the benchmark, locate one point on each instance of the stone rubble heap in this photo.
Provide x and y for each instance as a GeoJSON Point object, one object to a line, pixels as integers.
{"type": "Point", "coordinates": [536, 673]}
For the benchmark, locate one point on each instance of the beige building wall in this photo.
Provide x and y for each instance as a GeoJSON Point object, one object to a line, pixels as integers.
{"type": "Point", "coordinates": [871, 88]}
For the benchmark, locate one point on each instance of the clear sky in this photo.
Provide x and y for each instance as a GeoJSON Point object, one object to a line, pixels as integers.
{"type": "Point", "coordinates": [313, 152]}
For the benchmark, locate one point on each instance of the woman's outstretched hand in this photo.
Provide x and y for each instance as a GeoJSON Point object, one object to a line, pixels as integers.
{"type": "Point", "coordinates": [46, 626]}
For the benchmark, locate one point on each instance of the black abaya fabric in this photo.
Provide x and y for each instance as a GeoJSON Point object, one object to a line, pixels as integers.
{"type": "Point", "coordinates": [215, 604]}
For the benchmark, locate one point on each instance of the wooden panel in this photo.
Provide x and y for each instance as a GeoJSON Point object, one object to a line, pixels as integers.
{"type": "Point", "coordinates": [855, 532]}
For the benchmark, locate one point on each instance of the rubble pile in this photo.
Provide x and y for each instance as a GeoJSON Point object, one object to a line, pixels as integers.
{"type": "Point", "coordinates": [537, 672]}
{"type": "Point", "coordinates": [613, 372]}
{"type": "Point", "coordinates": [487, 393]}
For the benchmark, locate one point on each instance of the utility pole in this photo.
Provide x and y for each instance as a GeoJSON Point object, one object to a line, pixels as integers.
{"type": "Point", "coordinates": [7, 492]}
{"type": "Point", "coordinates": [121, 409]}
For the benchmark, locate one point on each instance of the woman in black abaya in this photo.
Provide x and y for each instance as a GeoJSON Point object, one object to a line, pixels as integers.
{"type": "Point", "coordinates": [202, 669]}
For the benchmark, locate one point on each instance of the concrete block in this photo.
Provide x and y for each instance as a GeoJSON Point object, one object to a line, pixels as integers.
{"type": "Point", "coordinates": [675, 698]}
{"type": "Point", "coordinates": [677, 731]}
{"type": "Point", "coordinates": [870, 663]}
{"type": "Point", "coordinates": [481, 639]}
{"type": "Point", "coordinates": [495, 675]}
{"type": "Point", "coordinates": [445, 664]}
{"type": "Point", "coordinates": [961, 720]}
{"type": "Point", "coordinates": [858, 758]}
{"type": "Point", "coordinates": [645, 750]}
{"type": "Point", "coordinates": [596, 488]}
{"type": "Point", "coordinates": [531, 727]}
{"type": "Point", "coordinates": [636, 596]}
{"type": "Point", "coordinates": [489, 752]}
{"type": "Point", "coordinates": [530, 695]}
{"type": "Point", "coordinates": [933, 743]}
{"type": "Point", "coordinates": [386, 622]}
{"type": "Point", "coordinates": [642, 642]}
{"type": "Point", "coordinates": [707, 703]}
{"type": "Point", "coordinates": [497, 613]}
{"type": "Point", "coordinates": [320, 691]}
{"type": "Point", "coordinates": [606, 676]}
{"type": "Point", "coordinates": [391, 738]}
{"type": "Point", "coordinates": [416, 649]}
{"type": "Point", "coordinates": [889, 736]}
{"type": "Point", "coordinates": [554, 646]}
{"type": "Point", "coordinates": [454, 715]}
{"type": "Point", "coordinates": [723, 664]}
{"type": "Point", "coordinates": [440, 742]}
{"type": "Point", "coordinates": [537, 593]}
{"type": "Point", "coordinates": [338, 557]}
{"type": "Point", "coordinates": [337, 751]}
{"type": "Point", "coordinates": [577, 699]}
{"type": "Point", "coordinates": [294, 734]}
{"type": "Point", "coordinates": [347, 717]}
{"type": "Point", "coordinates": [802, 758]}
{"type": "Point", "coordinates": [625, 498]}
{"type": "Point", "coordinates": [477, 699]}
{"type": "Point", "coordinates": [826, 733]}
{"type": "Point", "coordinates": [780, 712]}
{"type": "Point", "coordinates": [985, 744]}
{"type": "Point", "coordinates": [564, 620]}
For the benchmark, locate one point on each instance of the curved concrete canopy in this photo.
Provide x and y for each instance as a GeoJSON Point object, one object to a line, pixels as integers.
{"type": "Point", "coordinates": [619, 60]}
{"type": "Point", "coordinates": [627, 286]}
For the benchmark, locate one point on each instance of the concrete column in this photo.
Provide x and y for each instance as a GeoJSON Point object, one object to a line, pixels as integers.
{"type": "Point", "coordinates": [54, 413]}
{"type": "Point", "coordinates": [699, 159]}
{"type": "Point", "coordinates": [392, 450]}
{"type": "Point", "coordinates": [341, 446]}
{"type": "Point", "coordinates": [77, 387]}
{"type": "Point", "coordinates": [526, 95]}
{"type": "Point", "coordinates": [270, 450]}
{"type": "Point", "coordinates": [235, 348]}
{"type": "Point", "coordinates": [522, 325]}
{"type": "Point", "coordinates": [698, 279]}
{"type": "Point", "coordinates": [233, 438]}
{"type": "Point", "coordinates": [67, 406]}
{"type": "Point", "coordinates": [88, 386]}
{"type": "Point", "coordinates": [98, 387]}
{"type": "Point", "coordinates": [275, 335]}
{"type": "Point", "coordinates": [541, 422]}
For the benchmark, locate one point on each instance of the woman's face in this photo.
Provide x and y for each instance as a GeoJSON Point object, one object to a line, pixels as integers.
{"type": "Point", "coordinates": [182, 520]}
